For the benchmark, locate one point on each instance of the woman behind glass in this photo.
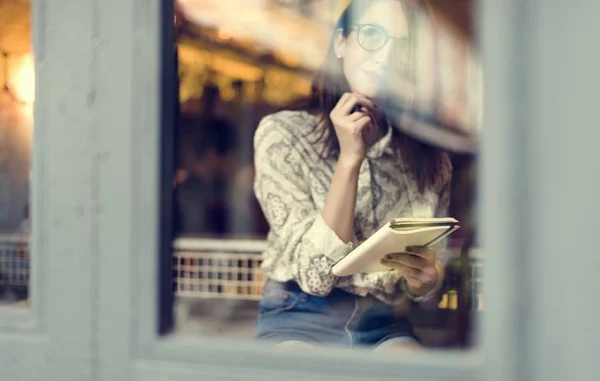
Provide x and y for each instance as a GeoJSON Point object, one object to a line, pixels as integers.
{"type": "Point", "coordinates": [330, 174]}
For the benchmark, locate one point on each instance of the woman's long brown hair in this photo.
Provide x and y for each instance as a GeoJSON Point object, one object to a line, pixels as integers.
{"type": "Point", "coordinates": [424, 162]}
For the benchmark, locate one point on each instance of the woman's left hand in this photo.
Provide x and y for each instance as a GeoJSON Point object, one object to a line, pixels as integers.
{"type": "Point", "coordinates": [419, 266]}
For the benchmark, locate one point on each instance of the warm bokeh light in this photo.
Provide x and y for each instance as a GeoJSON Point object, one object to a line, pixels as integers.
{"type": "Point", "coordinates": [224, 34]}
{"type": "Point", "coordinates": [21, 81]}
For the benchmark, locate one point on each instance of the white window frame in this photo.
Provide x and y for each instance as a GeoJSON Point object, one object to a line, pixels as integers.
{"type": "Point", "coordinates": [96, 203]}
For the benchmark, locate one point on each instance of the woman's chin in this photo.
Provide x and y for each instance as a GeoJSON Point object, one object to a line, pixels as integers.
{"type": "Point", "coordinates": [367, 86]}
{"type": "Point", "coordinates": [371, 92]}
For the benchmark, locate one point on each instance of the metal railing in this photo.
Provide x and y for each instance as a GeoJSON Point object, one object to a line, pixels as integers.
{"type": "Point", "coordinates": [14, 260]}
{"type": "Point", "coordinates": [230, 269]}
{"type": "Point", "coordinates": [222, 269]}
{"type": "Point", "coordinates": [202, 269]}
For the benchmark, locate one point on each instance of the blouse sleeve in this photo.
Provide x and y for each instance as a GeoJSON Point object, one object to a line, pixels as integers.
{"type": "Point", "coordinates": [297, 228]}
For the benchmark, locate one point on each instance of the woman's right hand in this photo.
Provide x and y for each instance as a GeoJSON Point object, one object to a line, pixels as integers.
{"type": "Point", "coordinates": [349, 126]}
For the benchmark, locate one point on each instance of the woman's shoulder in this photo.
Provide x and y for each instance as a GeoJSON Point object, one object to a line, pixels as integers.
{"type": "Point", "coordinates": [296, 125]}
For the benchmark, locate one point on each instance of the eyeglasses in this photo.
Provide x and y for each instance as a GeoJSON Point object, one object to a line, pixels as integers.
{"type": "Point", "coordinates": [372, 37]}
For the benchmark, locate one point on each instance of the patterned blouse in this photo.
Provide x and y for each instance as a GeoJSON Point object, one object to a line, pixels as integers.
{"type": "Point", "coordinates": [292, 180]}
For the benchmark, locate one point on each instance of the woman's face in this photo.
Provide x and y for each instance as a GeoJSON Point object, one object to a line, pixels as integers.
{"type": "Point", "coordinates": [376, 44]}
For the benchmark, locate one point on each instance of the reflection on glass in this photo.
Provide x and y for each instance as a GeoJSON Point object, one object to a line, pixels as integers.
{"type": "Point", "coordinates": [16, 128]}
{"type": "Point", "coordinates": [258, 214]}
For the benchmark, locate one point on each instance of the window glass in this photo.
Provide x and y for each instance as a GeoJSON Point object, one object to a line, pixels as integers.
{"type": "Point", "coordinates": [258, 146]}
{"type": "Point", "coordinates": [16, 131]}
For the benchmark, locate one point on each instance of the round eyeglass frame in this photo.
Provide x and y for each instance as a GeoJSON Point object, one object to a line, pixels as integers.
{"type": "Point", "coordinates": [360, 27]}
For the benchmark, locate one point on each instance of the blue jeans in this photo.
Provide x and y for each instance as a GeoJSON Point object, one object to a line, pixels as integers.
{"type": "Point", "coordinates": [340, 318]}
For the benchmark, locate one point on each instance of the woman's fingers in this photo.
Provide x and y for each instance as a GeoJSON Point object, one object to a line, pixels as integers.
{"type": "Point", "coordinates": [360, 124]}
{"type": "Point", "coordinates": [351, 101]}
{"type": "Point", "coordinates": [424, 252]}
{"type": "Point", "coordinates": [404, 269]}
{"type": "Point", "coordinates": [409, 260]}
{"type": "Point", "coordinates": [414, 281]}
{"type": "Point", "coordinates": [356, 115]}
{"type": "Point", "coordinates": [416, 277]}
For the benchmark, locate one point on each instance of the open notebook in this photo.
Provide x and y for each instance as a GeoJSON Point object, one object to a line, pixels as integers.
{"type": "Point", "coordinates": [394, 237]}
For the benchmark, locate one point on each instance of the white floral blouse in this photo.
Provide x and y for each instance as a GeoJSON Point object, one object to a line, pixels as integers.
{"type": "Point", "coordinates": [292, 180]}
